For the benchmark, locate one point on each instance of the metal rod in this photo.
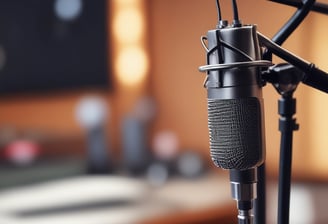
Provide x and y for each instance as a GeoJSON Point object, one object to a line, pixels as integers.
{"type": "Point", "coordinates": [317, 7]}
{"type": "Point", "coordinates": [287, 125]}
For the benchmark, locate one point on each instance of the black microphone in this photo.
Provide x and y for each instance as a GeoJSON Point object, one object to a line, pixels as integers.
{"type": "Point", "coordinates": [234, 88]}
{"type": "Point", "coordinates": [235, 108]}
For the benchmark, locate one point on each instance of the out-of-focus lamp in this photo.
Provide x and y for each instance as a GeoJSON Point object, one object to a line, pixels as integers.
{"type": "Point", "coordinates": [131, 61]}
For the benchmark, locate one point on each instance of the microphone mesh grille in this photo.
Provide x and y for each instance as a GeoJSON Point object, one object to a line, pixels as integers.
{"type": "Point", "coordinates": [235, 132]}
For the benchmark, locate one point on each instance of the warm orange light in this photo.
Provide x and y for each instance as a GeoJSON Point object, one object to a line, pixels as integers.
{"type": "Point", "coordinates": [128, 25]}
{"type": "Point", "coordinates": [131, 60]}
{"type": "Point", "coordinates": [123, 3]}
{"type": "Point", "coordinates": [132, 65]}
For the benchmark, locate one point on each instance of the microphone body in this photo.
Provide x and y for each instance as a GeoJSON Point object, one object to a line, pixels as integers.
{"type": "Point", "coordinates": [235, 110]}
{"type": "Point", "coordinates": [235, 105]}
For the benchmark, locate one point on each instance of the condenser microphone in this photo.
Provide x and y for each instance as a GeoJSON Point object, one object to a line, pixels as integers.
{"type": "Point", "coordinates": [234, 88]}
{"type": "Point", "coordinates": [235, 107]}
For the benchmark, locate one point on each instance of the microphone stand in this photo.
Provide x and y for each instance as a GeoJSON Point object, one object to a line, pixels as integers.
{"type": "Point", "coordinates": [285, 78]}
{"type": "Point", "coordinates": [286, 135]}
{"type": "Point", "coordinates": [287, 106]}
{"type": "Point", "coordinates": [317, 7]}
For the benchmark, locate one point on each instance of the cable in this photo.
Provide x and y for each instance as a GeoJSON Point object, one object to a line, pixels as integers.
{"type": "Point", "coordinates": [235, 10]}
{"type": "Point", "coordinates": [289, 27]}
{"type": "Point", "coordinates": [218, 10]}
{"type": "Point", "coordinates": [221, 23]}
{"type": "Point", "coordinates": [293, 22]}
{"type": "Point", "coordinates": [317, 7]}
{"type": "Point", "coordinates": [236, 22]}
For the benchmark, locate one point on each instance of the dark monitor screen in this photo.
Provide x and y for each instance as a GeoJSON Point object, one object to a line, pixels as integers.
{"type": "Point", "coordinates": [53, 44]}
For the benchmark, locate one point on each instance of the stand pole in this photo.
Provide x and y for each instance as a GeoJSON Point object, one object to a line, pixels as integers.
{"type": "Point", "coordinates": [260, 201]}
{"type": "Point", "coordinates": [285, 79]}
{"type": "Point", "coordinates": [287, 124]}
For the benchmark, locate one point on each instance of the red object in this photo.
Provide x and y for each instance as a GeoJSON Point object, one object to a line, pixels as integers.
{"type": "Point", "coordinates": [22, 152]}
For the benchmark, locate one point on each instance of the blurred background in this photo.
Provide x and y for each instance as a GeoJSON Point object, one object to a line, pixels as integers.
{"type": "Point", "coordinates": [103, 114]}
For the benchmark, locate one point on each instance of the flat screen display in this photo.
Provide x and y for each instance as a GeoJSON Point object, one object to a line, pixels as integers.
{"type": "Point", "coordinates": [48, 45]}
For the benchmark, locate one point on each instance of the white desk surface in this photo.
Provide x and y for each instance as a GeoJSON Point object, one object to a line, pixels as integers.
{"type": "Point", "coordinates": [109, 199]}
